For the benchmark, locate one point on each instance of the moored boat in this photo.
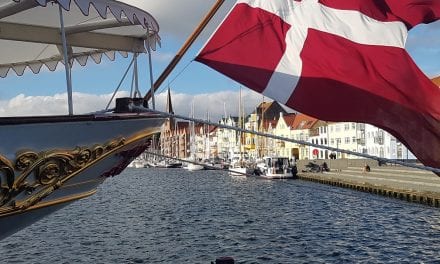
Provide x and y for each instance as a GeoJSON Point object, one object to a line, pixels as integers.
{"type": "Point", "coordinates": [240, 167]}
{"type": "Point", "coordinates": [276, 168]}
{"type": "Point", "coordinates": [169, 164]}
{"type": "Point", "coordinates": [240, 171]}
{"type": "Point", "coordinates": [194, 167]}
{"type": "Point", "coordinates": [47, 162]}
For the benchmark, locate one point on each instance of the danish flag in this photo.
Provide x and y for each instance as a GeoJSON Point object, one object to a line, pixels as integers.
{"type": "Point", "coordinates": [336, 60]}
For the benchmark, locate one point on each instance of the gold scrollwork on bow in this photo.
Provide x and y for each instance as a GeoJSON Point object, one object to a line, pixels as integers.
{"type": "Point", "coordinates": [39, 174]}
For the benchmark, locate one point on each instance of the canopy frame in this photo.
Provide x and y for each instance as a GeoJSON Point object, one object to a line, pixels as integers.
{"type": "Point", "coordinates": [83, 35]}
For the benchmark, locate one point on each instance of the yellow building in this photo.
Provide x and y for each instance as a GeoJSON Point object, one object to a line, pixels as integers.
{"type": "Point", "coordinates": [297, 127]}
{"type": "Point", "coordinates": [255, 145]}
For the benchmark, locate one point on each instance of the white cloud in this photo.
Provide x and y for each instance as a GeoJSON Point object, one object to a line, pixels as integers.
{"type": "Point", "coordinates": [215, 103]}
{"type": "Point", "coordinates": [179, 18]}
{"type": "Point", "coordinates": [22, 105]}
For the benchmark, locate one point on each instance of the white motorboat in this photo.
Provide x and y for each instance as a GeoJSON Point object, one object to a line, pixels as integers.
{"type": "Point", "coordinates": [240, 168]}
{"type": "Point", "coordinates": [276, 168]}
{"type": "Point", "coordinates": [194, 167]}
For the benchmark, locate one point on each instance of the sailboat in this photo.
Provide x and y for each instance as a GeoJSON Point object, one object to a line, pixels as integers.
{"type": "Point", "coordinates": [48, 162]}
{"type": "Point", "coordinates": [192, 164]}
{"type": "Point", "coordinates": [239, 166]}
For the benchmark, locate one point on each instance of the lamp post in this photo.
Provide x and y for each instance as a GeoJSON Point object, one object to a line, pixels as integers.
{"type": "Point", "coordinates": [337, 146]}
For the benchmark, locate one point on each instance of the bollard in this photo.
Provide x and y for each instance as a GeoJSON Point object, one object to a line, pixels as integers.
{"type": "Point", "coordinates": [429, 201]}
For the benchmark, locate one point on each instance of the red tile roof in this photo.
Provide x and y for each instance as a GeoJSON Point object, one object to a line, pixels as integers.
{"type": "Point", "coordinates": [289, 119]}
{"type": "Point", "coordinates": [303, 121]}
{"type": "Point", "coordinates": [273, 122]}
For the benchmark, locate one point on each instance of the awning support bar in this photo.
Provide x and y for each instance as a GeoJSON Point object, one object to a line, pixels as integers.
{"type": "Point", "coordinates": [67, 65]}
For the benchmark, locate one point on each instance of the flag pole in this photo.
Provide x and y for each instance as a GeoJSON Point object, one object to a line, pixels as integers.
{"type": "Point", "coordinates": [195, 34]}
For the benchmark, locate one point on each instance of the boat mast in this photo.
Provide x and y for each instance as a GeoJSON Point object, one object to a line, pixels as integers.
{"type": "Point", "coordinates": [184, 49]}
{"type": "Point", "coordinates": [66, 62]}
{"type": "Point", "coordinates": [240, 126]}
{"type": "Point", "coordinates": [208, 136]}
{"type": "Point", "coordinates": [193, 135]}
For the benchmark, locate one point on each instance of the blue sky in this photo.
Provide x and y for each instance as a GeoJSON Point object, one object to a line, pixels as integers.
{"type": "Point", "coordinates": [423, 45]}
{"type": "Point", "coordinates": [103, 78]}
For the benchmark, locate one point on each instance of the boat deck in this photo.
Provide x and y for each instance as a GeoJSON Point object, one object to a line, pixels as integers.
{"type": "Point", "coordinates": [73, 118]}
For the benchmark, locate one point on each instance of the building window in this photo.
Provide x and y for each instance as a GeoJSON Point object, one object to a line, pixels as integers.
{"type": "Point", "coordinates": [346, 127]}
{"type": "Point", "coordinates": [347, 140]}
{"type": "Point", "coordinates": [325, 141]}
{"type": "Point", "coordinates": [332, 141]}
{"type": "Point", "coordinates": [353, 125]}
{"type": "Point", "coordinates": [353, 139]}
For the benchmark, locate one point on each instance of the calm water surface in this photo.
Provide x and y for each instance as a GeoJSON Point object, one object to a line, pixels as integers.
{"type": "Point", "coordinates": [175, 216]}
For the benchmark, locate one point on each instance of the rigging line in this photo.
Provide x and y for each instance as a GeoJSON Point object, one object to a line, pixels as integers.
{"type": "Point", "coordinates": [301, 142]}
{"type": "Point", "coordinates": [120, 83]}
{"type": "Point", "coordinates": [177, 75]}
{"type": "Point", "coordinates": [194, 35]}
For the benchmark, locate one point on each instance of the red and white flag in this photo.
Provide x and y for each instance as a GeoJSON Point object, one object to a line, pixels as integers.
{"type": "Point", "coordinates": [336, 60]}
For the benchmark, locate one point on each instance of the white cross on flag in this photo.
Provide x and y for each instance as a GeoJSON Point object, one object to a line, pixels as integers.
{"type": "Point", "coordinates": [336, 60]}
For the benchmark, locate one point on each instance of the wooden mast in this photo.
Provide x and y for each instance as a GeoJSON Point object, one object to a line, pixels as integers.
{"type": "Point", "coordinates": [185, 47]}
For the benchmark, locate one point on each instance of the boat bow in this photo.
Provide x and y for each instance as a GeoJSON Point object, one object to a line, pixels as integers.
{"type": "Point", "coordinates": [47, 162]}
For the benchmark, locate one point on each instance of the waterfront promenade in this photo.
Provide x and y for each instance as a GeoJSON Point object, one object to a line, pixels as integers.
{"type": "Point", "coordinates": [395, 181]}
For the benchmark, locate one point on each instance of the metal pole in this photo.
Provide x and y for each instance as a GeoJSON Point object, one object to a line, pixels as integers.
{"type": "Point", "coordinates": [337, 147]}
{"type": "Point", "coordinates": [132, 90]}
{"type": "Point", "coordinates": [153, 102]}
{"type": "Point", "coordinates": [66, 62]}
{"type": "Point", "coordinates": [136, 76]}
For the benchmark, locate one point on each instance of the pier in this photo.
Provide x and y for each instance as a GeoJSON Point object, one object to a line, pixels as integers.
{"type": "Point", "coordinates": [397, 182]}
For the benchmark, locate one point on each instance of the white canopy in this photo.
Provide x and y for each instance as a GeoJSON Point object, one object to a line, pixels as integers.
{"type": "Point", "coordinates": [30, 32]}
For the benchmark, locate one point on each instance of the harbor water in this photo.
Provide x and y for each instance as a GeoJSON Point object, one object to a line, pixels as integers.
{"type": "Point", "coordinates": [176, 216]}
